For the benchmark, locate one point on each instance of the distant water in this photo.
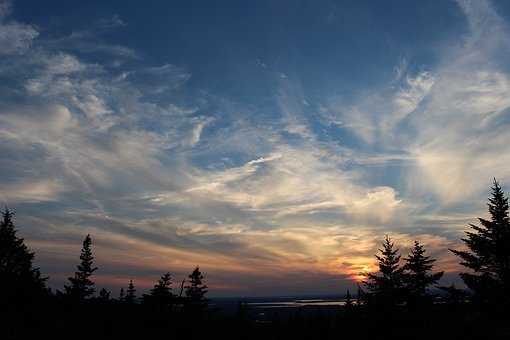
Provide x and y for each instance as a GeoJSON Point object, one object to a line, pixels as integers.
{"type": "Point", "coordinates": [297, 303]}
{"type": "Point", "coordinates": [261, 308]}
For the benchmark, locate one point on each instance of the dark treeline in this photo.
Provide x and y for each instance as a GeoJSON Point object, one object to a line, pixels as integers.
{"type": "Point", "coordinates": [402, 300]}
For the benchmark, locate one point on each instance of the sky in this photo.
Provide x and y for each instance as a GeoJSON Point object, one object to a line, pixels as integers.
{"type": "Point", "coordinates": [272, 143]}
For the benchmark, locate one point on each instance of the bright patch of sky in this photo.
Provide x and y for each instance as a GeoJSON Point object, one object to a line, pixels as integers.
{"type": "Point", "coordinates": [274, 143]}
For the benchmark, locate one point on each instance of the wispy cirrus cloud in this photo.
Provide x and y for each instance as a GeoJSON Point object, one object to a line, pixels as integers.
{"type": "Point", "coordinates": [167, 175]}
{"type": "Point", "coordinates": [448, 122]}
{"type": "Point", "coordinates": [461, 128]}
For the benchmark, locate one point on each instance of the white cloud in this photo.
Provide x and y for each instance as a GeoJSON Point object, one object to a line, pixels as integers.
{"type": "Point", "coordinates": [30, 191]}
{"type": "Point", "coordinates": [408, 98]}
{"type": "Point", "coordinates": [360, 122]}
{"type": "Point", "coordinates": [114, 21]}
{"type": "Point", "coordinates": [83, 125]}
{"type": "Point", "coordinates": [295, 181]}
{"type": "Point", "coordinates": [196, 132]}
{"type": "Point", "coordinates": [15, 38]}
{"type": "Point", "coordinates": [63, 64]}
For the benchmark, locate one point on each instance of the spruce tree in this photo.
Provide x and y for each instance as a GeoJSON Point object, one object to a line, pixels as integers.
{"type": "Point", "coordinates": [385, 289]}
{"type": "Point", "coordinates": [130, 293]}
{"type": "Point", "coordinates": [81, 286]}
{"type": "Point", "coordinates": [122, 295]}
{"type": "Point", "coordinates": [161, 295]}
{"type": "Point", "coordinates": [348, 302]}
{"type": "Point", "coordinates": [104, 295]}
{"type": "Point", "coordinates": [488, 254]}
{"type": "Point", "coordinates": [359, 296]}
{"type": "Point", "coordinates": [20, 281]}
{"type": "Point", "coordinates": [418, 274]}
{"type": "Point", "coordinates": [163, 287]}
{"type": "Point", "coordinates": [348, 299]}
{"type": "Point", "coordinates": [196, 290]}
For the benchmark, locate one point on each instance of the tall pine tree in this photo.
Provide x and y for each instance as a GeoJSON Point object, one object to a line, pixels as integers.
{"type": "Point", "coordinates": [360, 296]}
{"type": "Point", "coordinates": [488, 254]}
{"type": "Point", "coordinates": [163, 288]}
{"type": "Point", "coordinates": [19, 280]}
{"type": "Point", "coordinates": [130, 293]}
{"type": "Point", "coordinates": [196, 290]}
{"type": "Point", "coordinates": [385, 288]}
{"type": "Point", "coordinates": [161, 295]}
{"type": "Point", "coordinates": [104, 295]}
{"type": "Point", "coordinates": [348, 302]}
{"type": "Point", "coordinates": [81, 286]}
{"type": "Point", "coordinates": [418, 274]}
{"type": "Point", "coordinates": [122, 295]}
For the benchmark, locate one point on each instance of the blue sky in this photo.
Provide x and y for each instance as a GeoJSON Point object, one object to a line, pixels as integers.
{"type": "Point", "coordinates": [274, 143]}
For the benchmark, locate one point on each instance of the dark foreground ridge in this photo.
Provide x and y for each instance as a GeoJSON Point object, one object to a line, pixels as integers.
{"type": "Point", "coordinates": [400, 301]}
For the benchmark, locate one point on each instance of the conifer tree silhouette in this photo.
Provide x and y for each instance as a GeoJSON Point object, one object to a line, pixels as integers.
{"type": "Point", "coordinates": [130, 293]}
{"type": "Point", "coordinates": [104, 295]}
{"type": "Point", "coordinates": [21, 286]}
{"type": "Point", "coordinates": [81, 286]}
{"type": "Point", "coordinates": [196, 290]}
{"type": "Point", "coordinates": [163, 286]}
{"type": "Point", "coordinates": [417, 274]}
{"type": "Point", "coordinates": [161, 295]}
{"type": "Point", "coordinates": [488, 254]}
{"type": "Point", "coordinates": [359, 296]}
{"type": "Point", "coordinates": [181, 290]}
{"type": "Point", "coordinates": [386, 289]}
{"type": "Point", "coordinates": [19, 280]}
{"type": "Point", "coordinates": [348, 301]}
{"type": "Point", "coordinates": [122, 295]}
